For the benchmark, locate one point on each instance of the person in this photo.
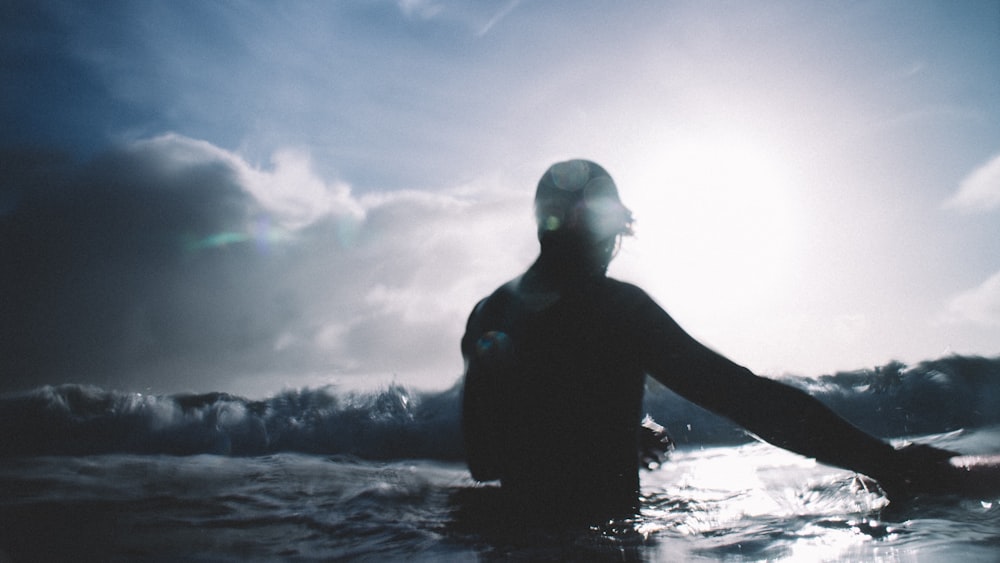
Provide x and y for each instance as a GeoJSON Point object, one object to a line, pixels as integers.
{"type": "Point", "coordinates": [555, 367]}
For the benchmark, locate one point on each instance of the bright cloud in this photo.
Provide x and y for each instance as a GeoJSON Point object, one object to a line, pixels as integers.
{"type": "Point", "coordinates": [979, 305]}
{"type": "Point", "coordinates": [292, 191]}
{"type": "Point", "coordinates": [980, 190]}
{"type": "Point", "coordinates": [289, 191]}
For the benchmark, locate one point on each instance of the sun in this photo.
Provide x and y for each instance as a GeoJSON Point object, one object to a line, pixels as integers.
{"type": "Point", "coordinates": [718, 225]}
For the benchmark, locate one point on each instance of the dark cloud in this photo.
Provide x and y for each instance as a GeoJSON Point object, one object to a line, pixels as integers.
{"type": "Point", "coordinates": [98, 269]}
{"type": "Point", "coordinates": [171, 264]}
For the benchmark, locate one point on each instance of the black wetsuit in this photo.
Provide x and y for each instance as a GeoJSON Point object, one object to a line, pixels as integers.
{"type": "Point", "coordinates": [555, 367]}
{"type": "Point", "coordinates": [554, 392]}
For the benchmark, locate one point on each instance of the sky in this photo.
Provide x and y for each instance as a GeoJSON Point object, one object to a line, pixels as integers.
{"type": "Point", "coordinates": [251, 196]}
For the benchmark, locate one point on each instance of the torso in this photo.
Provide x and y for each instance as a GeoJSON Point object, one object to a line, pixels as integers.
{"type": "Point", "coordinates": [567, 389]}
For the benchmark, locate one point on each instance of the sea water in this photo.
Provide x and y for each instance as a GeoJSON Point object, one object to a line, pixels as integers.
{"type": "Point", "coordinates": [306, 475]}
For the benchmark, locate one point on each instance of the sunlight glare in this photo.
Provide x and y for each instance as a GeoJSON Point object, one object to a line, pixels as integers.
{"type": "Point", "coordinates": [716, 221]}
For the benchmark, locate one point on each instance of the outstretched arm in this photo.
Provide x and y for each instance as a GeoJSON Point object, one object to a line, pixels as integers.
{"type": "Point", "coordinates": [788, 417]}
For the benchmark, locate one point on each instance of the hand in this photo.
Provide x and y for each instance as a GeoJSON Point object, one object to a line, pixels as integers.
{"type": "Point", "coordinates": [654, 444]}
{"type": "Point", "coordinates": [916, 469]}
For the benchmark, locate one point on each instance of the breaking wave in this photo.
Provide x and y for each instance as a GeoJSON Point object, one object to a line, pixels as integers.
{"type": "Point", "coordinates": [952, 393]}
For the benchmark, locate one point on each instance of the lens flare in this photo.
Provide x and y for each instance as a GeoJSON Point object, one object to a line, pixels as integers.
{"type": "Point", "coordinates": [262, 233]}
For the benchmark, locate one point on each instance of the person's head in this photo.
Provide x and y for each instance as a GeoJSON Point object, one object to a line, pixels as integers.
{"type": "Point", "coordinates": [579, 213]}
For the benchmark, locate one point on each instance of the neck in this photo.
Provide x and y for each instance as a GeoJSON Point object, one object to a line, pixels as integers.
{"type": "Point", "coordinates": [570, 261]}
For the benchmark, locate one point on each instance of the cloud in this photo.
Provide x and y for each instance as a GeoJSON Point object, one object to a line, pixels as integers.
{"type": "Point", "coordinates": [424, 9]}
{"type": "Point", "coordinates": [979, 305]}
{"type": "Point", "coordinates": [980, 190]}
{"type": "Point", "coordinates": [480, 17]}
{"type": "Point", "coordinates": [173, 264]}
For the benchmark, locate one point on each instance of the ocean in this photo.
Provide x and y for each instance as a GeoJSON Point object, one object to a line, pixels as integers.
{"type": "Point", "coordinates": [89, 474]}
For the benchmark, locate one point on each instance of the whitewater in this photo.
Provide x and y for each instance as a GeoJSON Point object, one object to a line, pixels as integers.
{"type": "Point", "coordinates": [323, 474]}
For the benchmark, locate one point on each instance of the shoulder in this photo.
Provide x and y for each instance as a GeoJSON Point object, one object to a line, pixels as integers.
{"type": "Point", "coordinates": [491, 309]}
{"type": "Point", "coordinates": [625, 293]}
{"type": "Point", "coordinates": [641, 310]}
{"type": "Point", "coordinates": [488, 314]}
{"type": "Point", "coordinates": [498, 299]}
{"type": "Point", "coordinates": [623, 287]}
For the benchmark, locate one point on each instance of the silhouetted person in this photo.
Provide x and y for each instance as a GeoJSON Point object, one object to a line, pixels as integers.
{"type": "Point", "coordinates": [555, 366]}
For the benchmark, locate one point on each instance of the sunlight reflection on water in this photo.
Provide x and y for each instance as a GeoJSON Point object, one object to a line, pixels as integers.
{"type": "Point", "coordinates": [756, 501]}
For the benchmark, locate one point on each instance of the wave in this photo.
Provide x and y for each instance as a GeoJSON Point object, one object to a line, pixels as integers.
{"type": "Point", "coordinates": [79, 419]}
{"type": "Point", "coordinates": [889, 401]}
{"type": "Point", "coordinates": [936, 396]}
